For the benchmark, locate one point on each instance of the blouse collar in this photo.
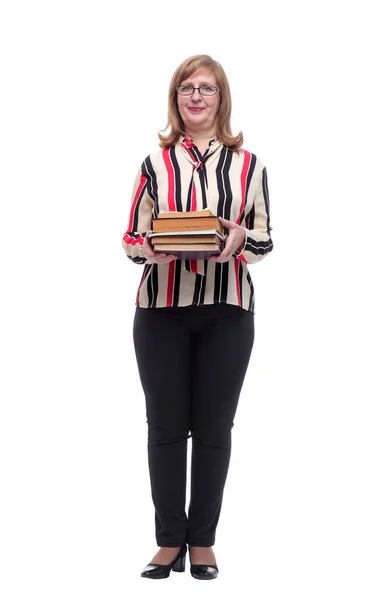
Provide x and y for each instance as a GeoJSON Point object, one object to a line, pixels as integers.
{"type": "Point", "coordinates": [188, 147]}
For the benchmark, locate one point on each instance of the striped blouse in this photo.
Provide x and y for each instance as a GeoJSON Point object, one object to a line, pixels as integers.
{"type": "Point", "coordinates": [180, 178]}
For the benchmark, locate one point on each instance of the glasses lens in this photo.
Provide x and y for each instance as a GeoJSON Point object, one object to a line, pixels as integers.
{"type": "Point", "coordinates": [185, 90]}
{"type": "Point", "coordinates": [208, 90]}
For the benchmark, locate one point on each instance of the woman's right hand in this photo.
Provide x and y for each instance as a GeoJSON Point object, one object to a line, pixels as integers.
{"type": "Point", "coordinates": [155, 257]}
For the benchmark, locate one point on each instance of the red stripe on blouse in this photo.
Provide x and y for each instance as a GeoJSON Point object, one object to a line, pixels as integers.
{"type": "Point", "coordinates": [193, 264]}
{"type": "Point", "coordinates": [132, 241]}
{"type": "Point", "coordinates": [137, 195]}
{"type": "Point", "coordinates": [171, 279]}
{"type": "Point", "coordinates": [171, 179]}
{"type": "Point", "coordinates": [245, 170]}
{"type": "Point", "coordinates": [193, 204]}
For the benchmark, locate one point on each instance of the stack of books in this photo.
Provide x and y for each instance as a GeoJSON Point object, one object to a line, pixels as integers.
{"type": "Point", "coordinates": [188, 235]}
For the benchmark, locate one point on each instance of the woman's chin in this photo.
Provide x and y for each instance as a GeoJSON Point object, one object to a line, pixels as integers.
{"type": "Point", "coordinates": [198, 119]}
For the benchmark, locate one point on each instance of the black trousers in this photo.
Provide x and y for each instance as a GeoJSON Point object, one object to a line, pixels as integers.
{"type": "Point", "coordinates": [192, 362]}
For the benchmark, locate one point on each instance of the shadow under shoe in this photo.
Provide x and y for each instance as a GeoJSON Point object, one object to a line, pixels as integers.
{"type": "Point", "coordinates": [155, 571]}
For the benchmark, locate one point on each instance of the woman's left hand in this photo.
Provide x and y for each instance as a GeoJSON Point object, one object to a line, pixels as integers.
{"type": "Point", "coordinates": [234, 240]}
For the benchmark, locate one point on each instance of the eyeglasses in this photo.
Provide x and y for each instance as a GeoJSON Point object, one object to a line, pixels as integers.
{"type": "Point", "coordinates": [204, 90]}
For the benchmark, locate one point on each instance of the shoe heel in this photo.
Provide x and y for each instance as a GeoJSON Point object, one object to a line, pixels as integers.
{"type": "Point", "coordinates": [179, 565]}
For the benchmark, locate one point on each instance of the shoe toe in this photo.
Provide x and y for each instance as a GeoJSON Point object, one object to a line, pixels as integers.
{"type": "Point", "coordinates": [204, 571]}
{"type": "Point", "coordinates": [153, 571]}
{"type": "Point", "coordinates": [157, 571]}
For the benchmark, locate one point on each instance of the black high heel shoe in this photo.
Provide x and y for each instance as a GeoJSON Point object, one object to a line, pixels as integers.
{"type": "Point", "coordinates": [155, 571]}
{"type": "Point", "coordinates": [204, 571]}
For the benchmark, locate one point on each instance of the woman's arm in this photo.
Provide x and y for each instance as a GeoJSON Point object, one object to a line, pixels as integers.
{"type": "Point", "coordinates": [258, 240]}
{"type": "Point", "coordinates": [139, 219]}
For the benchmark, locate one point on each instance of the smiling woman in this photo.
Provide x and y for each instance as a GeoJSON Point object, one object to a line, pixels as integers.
{"type": "Point", "coordinates": [198, 102]}
{"type": "Point", "coordinates": [197, 71]}
{"type": "Point", "coordinates": [195, 315]}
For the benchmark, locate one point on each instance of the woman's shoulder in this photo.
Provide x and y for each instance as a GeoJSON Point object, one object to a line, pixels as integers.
{"type": "Point", "coordinates": [252, 158]}
{"type": "Point", "coordinates": [156, 158]}
{"type": "Point", "coordinates": [153, 159]}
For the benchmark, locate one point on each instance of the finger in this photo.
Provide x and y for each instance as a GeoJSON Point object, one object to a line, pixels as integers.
{"type": "Point", "coordinates": [167, 258]}
{"type": "Point", "coordinates": [225, 252]}
{"type": "Point", "coordinates": [228, 224]}
{"type": "Point", "coordinates": [224, 257]}
{"type": "Point", "coordinates": [149, 247]}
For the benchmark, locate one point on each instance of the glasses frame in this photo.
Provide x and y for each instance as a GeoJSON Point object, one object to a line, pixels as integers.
{"type": "Point", "coordinates": [198, 88]}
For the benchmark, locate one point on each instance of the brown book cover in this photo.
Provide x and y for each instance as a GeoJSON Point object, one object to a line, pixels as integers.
{"type": "Point", "coordinates": [171, 247]}
{"type": "Point", "coordinates": [198, 251]}
{"type": "Point", "coordinates": [183, 239]}
{"type": "Point", "coordinates": [194, 255]}
{"type": "Point", "coordinates": [178, 214]}
{"type": "Point", "coordinates": [186, 224]}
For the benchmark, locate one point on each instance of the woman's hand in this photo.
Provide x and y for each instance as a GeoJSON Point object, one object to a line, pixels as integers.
{"type": "Point", "coordinates": [234, 241]}
{"type": "Point", "coordinates": [155, 257]}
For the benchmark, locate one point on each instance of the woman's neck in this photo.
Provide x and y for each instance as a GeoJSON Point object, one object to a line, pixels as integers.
{"type": "Point", "coordinates": [201, 137]}
{"type": "Point", "coordinates": [201, 140]}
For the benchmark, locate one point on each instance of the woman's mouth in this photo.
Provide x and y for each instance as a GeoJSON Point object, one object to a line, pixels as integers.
{"type": "Point", "coordinates": [195, 109]}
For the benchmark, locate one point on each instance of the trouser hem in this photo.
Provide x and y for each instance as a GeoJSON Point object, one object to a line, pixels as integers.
{"type": "Point", "coordinates": [201, 544]}
{"type": "Point", "coordinates": [171, 545]}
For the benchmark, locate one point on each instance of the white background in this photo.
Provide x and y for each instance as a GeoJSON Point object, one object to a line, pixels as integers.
{"type": "Point", "coordinates": [84, 92]}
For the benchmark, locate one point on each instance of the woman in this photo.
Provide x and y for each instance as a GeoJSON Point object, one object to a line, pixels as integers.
{"type": "Point", "coordinates": [194, 323]}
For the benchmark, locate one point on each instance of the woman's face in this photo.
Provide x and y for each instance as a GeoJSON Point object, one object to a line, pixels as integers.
{"type": "Point", "coordinates": [204, 119]}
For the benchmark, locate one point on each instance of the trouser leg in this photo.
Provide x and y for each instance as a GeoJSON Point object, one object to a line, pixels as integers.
{"type": "Point", "coordinates": [163, 355]}
{"type": "Point", "coordinates": [221, 356]}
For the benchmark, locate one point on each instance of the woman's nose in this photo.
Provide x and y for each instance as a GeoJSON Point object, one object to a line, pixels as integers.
{"type": "Point", "coordinates": [196, 95]}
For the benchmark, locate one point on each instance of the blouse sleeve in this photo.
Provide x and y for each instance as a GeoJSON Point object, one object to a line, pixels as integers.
{"type": "Point", "coordinates": [258, 240]}
{"type": "Point", "coordinates": [140, 217]}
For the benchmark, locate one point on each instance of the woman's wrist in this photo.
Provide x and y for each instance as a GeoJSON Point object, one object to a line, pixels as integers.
{"type": "Point", "coordinates": [242, 244]}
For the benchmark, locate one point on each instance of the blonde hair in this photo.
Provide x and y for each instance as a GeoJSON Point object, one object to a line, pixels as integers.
{"type": "Point", "coordinates": [223, 129]}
